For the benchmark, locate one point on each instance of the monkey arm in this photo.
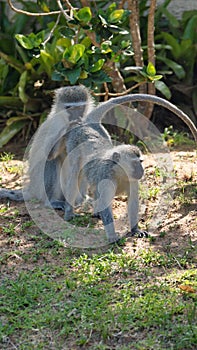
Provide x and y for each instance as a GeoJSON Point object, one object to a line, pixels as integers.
{"type": "Point", "coordinates": [108, 222]}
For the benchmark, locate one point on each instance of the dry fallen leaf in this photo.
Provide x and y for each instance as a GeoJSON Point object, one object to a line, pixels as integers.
{"type": "Point", "coordinates": [187, 288]}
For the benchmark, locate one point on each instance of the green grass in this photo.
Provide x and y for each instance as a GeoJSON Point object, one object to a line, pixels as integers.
{"type": "Point", "coordinates": [99, 301]}
{"type": "Point", "coordinates": [56, 298]}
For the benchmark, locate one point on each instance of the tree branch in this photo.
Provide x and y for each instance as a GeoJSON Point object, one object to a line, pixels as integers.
{"type": "Point", "coordinates": [39, 14]}
{"type": "Point", "coordinates": [134, 20]}
{"type": "Point", "coordinates": [52, 30]}
{"type": "Point", "coordinates": [135, 32]}
{"type": "Point", "coordinates": [151, 52]}
{"type": "Point", "coordinates": [30, 13]}
{"type": "Point", "coordinates": [68, 18]}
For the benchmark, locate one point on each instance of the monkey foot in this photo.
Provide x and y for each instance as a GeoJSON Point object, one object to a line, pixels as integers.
{"type": "Point", "coordinates": [137, 233]}
{"type": "Point", "coordinates": [58, 205]}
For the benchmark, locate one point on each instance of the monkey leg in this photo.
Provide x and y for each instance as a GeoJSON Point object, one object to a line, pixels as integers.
{"type": "Point", "coordinates": [108, 222]}
{"type": "Point", "coordinates": [133, 209]}
{"type": "Point", "coordinates": [69, 181]}
{"type": "Point", "coordinates": [56, 204]}
{"type": "Point", "coordinates": [105, 193]}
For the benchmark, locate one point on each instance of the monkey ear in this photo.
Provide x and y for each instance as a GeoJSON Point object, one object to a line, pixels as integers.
{"type": "Point", "coordinates": [116, 157]}
{"type": "Point", "coordinates": [57, 149]}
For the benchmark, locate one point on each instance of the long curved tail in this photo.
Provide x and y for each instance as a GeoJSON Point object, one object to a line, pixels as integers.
{"type": "Point", "coordinates": [97, 114]}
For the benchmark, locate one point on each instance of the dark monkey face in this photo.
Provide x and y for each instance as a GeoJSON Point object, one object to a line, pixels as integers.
{"type": "Point", "coordinates": [130, 161]}
{"type": "Point", "coordinates": [137, 170]}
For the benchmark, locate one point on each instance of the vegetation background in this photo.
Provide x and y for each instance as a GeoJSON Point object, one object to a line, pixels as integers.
{"type": "Point", "coordinates": [113, 48]}
{"type": "Point", "coordinates": [142, 294]}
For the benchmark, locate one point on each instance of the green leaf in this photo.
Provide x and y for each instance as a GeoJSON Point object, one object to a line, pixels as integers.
{"type": "Point", "coordinates": [163, 88]}
{"type": "Point", "coordinates": [63, 42]}
{"type": "Point", "coordinates": [172, 19]}
{"type": "Point", "coordinates": [84, 15]}
{"type": "Point", "coordinates": [177, 68]}
{"type": "Point", "coordinates": [10, 101]}
{"type": "Point", "coordinates": [194, 100]}
{"type": "Point", "coordinates": [10, 131]}
{"type": "Point", "coordinates": [73, 75]}
{"type": "Point", "coordinates": [106, 47]}
{"type": "Point", "coordinates": [97, 66]}
{"type": "Point", "coordinates": [21, 87]}
{"type": "Point", "coordinates": [47, 61]}
{"type": "Point", "coordinates": [116, 16]}
{"type": "Point", "coordinates": [150, 70]}
{"type": "Point", "coordinates": [190, 30]}
{"type": "Point", "coordinates": [3, 72]}
{"type": "Point", "coordinates": [172, 41]}
{"type": "Point", "coordinates": [101, 77]}
{"type": "Point", "coordinates": [186, 45]}
{"type": "Point", "coordinates": [43, 5]}
{"type": "Point", "coordinates": [57, 76]}
{"type": "Point", "coordinates": [83, 75]}
{"type": "Point", "coordinates": [66, 32]}
{"type": "Point", "coordinates": [155, 77]}
{"type": "Point", "coordinates": [86, 42]}
{"type": "Point", "coordinates": [30, 41]}
{"type": "Point", "coordinates": [12, 62]}
{"type": "Point", "coordinates": [74, 53]}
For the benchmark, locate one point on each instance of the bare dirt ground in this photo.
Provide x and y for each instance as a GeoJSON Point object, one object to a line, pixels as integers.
{"type": "Point", "coordinates": [175, 231]}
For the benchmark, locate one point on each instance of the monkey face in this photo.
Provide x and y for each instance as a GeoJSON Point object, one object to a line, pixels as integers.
{"type": "Point", "coordinates": [132, 165]}
{"type": "Point", "coordinates": [137, 169]}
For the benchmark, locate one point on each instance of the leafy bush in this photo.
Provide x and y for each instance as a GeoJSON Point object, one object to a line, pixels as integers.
{"type": "Point", "coordinates": [94, 48]}
{"type": "Point", "coordinates": [176, 44]}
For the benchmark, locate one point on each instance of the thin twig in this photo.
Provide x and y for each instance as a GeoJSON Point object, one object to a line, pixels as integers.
{"type": "Point", "coordinates": [69, 4]}
{"type": "Point", "coordinates": [52, 30]}
{"type": "Point", "coordinates": [30, 13]}
{"type": "Point", "coordinates": [106, 91]}
{"type": "Point", "coordinates": [119, 93]}
{"type": "Point", "coordinates": [68, 18]}
{"type": "Point", "coordinates": [151, 53]}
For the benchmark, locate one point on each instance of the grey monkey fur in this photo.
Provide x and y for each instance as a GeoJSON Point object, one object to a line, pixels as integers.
{"type": "Point", "coordinates": [71, 103]}
{"type": "Point", "coordinates": [94, 164]}
{"type": "Point", "coordinates": [43, 176]}
{"type": "Point", "coordinates": [116, 172]}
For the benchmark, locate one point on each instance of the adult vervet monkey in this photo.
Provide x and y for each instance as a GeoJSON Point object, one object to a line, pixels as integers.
{"type": "Point", "coordinates": [70, 103]}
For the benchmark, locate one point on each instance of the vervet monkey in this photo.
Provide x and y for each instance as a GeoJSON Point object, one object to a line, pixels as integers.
{"type": "Point", "coordinates": [52, 144]}
{"type": "Point", "coordinates": [116, 172]}
{"type": "Point", "coordinates": [104, 170]}
{"type": "Point", "coordinates": [70, 103]}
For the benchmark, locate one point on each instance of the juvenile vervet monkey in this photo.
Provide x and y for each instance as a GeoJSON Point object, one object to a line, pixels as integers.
{"type": "Point", "coordinates": [70, 103]}
{"type": "Point", "coordinates": [116, 172]}
{"type": "Point", "coordinates": [104, 170]}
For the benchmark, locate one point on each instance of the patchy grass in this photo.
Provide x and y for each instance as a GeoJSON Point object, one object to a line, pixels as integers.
{"type": "Point", "coordinates": [141, 295]}
{"type": "Point", "coordinates": [103, 301]}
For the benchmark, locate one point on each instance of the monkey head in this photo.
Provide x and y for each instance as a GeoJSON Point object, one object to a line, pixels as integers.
{"type": "Point", "coordinates": [129, 158]}
{"type": "Point", "coordinates": [76, 100]}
